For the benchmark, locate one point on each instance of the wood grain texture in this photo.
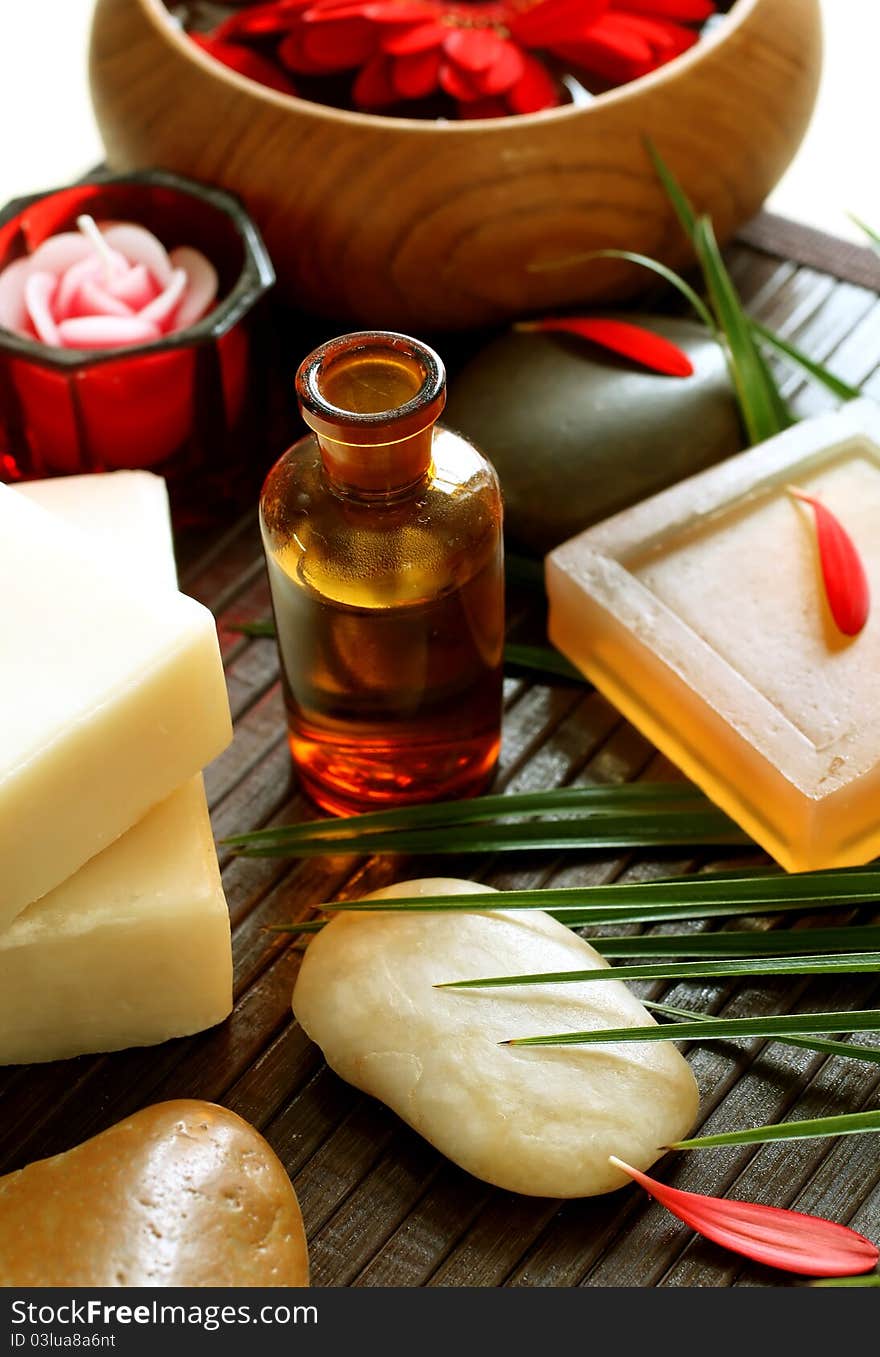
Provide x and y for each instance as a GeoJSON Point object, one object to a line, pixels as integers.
{"type": "Point", "coordinates": [411, 224]}
{"type": "Point", "coordinates": [381, 1207]}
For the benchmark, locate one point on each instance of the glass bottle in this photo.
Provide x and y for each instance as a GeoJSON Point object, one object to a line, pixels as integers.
{"type": "Point", "coordinates": [383, 544]}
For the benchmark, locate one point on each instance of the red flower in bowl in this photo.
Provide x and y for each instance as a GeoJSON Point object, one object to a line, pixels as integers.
{"type": "Point", "coordinates": [479, 52]}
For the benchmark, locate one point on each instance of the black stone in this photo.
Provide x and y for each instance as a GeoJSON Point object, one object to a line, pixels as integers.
{"type": "Point", "coordinates": [577, 434]}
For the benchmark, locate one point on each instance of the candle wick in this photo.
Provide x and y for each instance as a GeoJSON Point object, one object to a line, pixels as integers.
{"type": "Point", "coordinates": [91, 231]}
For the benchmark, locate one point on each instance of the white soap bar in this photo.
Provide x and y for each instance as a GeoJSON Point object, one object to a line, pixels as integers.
{"type": "Point", "coordinates": [536, 1120]}
{"type": "Point", "coordinates": [135, 947]}
{"type": "Point", "coordinates": [124, 515]}
{"type": "Point", "coordinates": [132, 950]}
{"type": "Point", "coordinates": [111, 694]}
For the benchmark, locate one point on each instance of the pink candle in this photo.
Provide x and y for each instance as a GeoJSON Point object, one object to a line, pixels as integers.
{"type": "Point", "coordinates": [105, 287]}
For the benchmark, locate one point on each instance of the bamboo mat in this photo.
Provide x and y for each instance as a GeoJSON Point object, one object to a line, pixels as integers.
{"type": "Point", "coordinates": [381, 1207]}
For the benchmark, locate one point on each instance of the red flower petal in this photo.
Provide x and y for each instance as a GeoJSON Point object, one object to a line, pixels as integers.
{"type": "Point", "coordinates": [401, 12]}
{"type": "Point", "coordinates": [843, 575]}
{"type": "Point", "coordinates": [685, 11]}
{"type": "Point", "coordinates": [790, 1240]}
{"type": "Point", "coordinates": [245, 62]}
{"type": "Point", "coordinates": [506, 71]}
{"type": "Point", "coordinates": [419, 39]}
{"type": "Point", "coordinates": [632, 341]}
{"type": "Point", "coordinates": [374, 87]}
{"type": "Point", "coordinates": [340, 46]}
{"type": "Point", "coordinates": [417, 75]}
{"type": "Point", "coordinates": [535, 90]}
{"type": "Point", "coordinates": [261, 21]}
{"type": "Point", "coordinates": [555, 21]}
{"type": "Point", "coordinates": [474, 49]}
{"type": "Point", "coordinates": [665, 39]}
{"type": "Point", "coordinates": [457, 83]}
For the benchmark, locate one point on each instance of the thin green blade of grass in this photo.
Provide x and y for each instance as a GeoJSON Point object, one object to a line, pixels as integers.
{"type": "Point", "coordinates": [846, 1050]}
{"type": "Point", "coordinates": [730, 893]}
{"type": "Point", "coordinates": [809, 365]}
{"type": "Point", "coordinates": [872, 1279]}
{"type": "Point", "coordinates": [716, 1029]}
{"type": "Point", "coordinates": [535, 659]}
{"type": "Point", "coordinates": [681, 285]}
{"type": "Point", "coordinates": [622, 799]}
{"type": "Point", "coordinates": [779, 942]}
{"type": "Point", "coordinates": [870, 232]}
{"type": "Point", "coordinates": [571, 918]}
{"type": "Point", "coordinates": [682, 205]}
{"type": "Point", "coordinates": [541, 659]}
{"type": "Point", "coordinates": [843, 1124]}
{"type": "Point", "coordinates": [263, 626]}
{"type": "Point", "coordinates": [763, 408]}
{"type": "Point", "coordinates": [850, 963]}
{"type": "Point", "coordinates": [656, 830]}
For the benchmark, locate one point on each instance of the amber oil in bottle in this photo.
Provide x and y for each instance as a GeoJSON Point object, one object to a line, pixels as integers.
{"type": "Point", "coordinates": [383, 544]}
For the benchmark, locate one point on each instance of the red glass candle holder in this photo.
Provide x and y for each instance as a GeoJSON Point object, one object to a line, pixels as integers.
{"type": "Point", "coordinates": [187, 406]}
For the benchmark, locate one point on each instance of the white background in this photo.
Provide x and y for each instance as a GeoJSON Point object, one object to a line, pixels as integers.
{"type": "Point", "coordinates": [48, 135]}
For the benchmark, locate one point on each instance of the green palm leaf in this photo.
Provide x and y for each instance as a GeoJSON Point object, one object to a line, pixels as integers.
{"type": "Point", "coordinates": [847, 1050]}
{"type": "Point", "coordinates": [779, 942]}
{"type": "Point", "coordinates": [850, 963]}
{"type": "Point", "coordinates": [727, 1029]}
{"type": "Point", "coordinates": [845, 1124]}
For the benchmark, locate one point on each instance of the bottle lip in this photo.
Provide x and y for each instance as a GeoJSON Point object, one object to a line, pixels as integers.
{"type": "Point", "coordinates": [401, 421]}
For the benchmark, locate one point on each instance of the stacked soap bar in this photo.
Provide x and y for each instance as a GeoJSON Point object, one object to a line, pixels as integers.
{"type": "Point", "coordinates": [131, 945]}
{"type": "Point", "coordinates": [701, 614]}
{"type": "Point", "coordinates": [112, 695]}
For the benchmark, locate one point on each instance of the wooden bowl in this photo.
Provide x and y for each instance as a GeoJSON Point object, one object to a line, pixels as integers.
{"type": "Point", "coordinates": [422, 225]}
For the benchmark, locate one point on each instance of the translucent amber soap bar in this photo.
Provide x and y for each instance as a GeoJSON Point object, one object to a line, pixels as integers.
{"type": "Point", "coordinates": [701, 614]}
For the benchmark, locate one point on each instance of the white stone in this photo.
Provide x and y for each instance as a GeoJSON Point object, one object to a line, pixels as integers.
{"type": "Point", "coordinates": [541, 1121]}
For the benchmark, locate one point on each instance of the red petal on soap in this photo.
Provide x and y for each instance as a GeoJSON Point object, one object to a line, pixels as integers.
{"type": "Point", "coordinates": [631, 341]}
{"type": "Point", "coordinates": [846, 585]}
{"type": "Point", "coordinates": [789, 1240]}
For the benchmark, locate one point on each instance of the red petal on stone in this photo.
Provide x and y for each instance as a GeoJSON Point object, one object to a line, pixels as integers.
{"type": "Point", "coordinates": [417, 75]}
{"type": "Point", "coordinates": [458, 83]}
{"type": "Point", "coordinates": [642, 346]}
{"type": "Point", "coordinates": [843, 575]}
{"type": "Point", "coordinates": [505, 72]}
{"type": "Point", "coordinates": [473, 49]}
{"type": "Point", "coordinates": [245, 62]}
{"type": "Point", "coordinates": [340, 46]}
{"type": "Point", "coordinates": [684, 11]}
{"type": "Point", "coordinates": [405, 42]}
{"type": "Point", "coordinates": [535, 89]}
{"type": "Point", "coordinates": [374, 87]}
{"type": "Point", "coordinates": [807, 1245]}
{"type": "Point", "coordinates": [556, 21]}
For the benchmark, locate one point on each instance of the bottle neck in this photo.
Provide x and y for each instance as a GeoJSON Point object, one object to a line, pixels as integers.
{"type": "Point", "coordinates": [377, 470]}
{"type": "Point", "coordinates": [372, 400]}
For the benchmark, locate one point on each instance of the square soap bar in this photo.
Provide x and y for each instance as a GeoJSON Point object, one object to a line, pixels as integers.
{"type": "Point", "coordinates": [701, 614]}
{"type": "Point", "coordinates": [135, 947]}
{"type": "Point", "coordinates": [112, 694]}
